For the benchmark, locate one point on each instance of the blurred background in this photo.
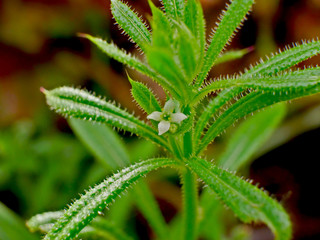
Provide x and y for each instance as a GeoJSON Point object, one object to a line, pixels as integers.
{"type": "Point", "coordinates": [43, 165]}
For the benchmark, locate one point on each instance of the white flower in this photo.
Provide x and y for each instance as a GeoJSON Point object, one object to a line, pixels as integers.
{"type": "Point", "coordinates": [167, 117]}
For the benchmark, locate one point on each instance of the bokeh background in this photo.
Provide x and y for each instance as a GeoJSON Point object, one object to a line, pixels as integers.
{"type": "Point", "coordinates": [43, 165]}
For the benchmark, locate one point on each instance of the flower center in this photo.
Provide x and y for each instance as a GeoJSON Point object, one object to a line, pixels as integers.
{"type": "Point", "coordinates": [166, 116]}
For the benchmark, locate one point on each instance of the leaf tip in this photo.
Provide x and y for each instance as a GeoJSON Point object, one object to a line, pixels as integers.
{"type": "Point", "coordinates": [83, 35]}
{"type": "Point", "coordinates": [43, 90]}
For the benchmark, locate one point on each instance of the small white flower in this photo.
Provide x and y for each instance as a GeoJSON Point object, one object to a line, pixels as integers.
{"type": "Point", "coordinates": [167, 117]}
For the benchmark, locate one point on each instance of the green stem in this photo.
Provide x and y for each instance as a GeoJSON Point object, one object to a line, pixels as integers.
{"type": "Point", "coordinates": [175, 146]}
{"type": "Point", "coordinates": [190, 204]}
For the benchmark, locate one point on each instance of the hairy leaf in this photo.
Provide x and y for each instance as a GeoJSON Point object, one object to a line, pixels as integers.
{"type": "Point", "coordinates": [80, 104]}
{"type": "Point", "coordinates": [110, 150]}
{"type": "Point", "coordinates": [131, 23]}
{"type": "Point", "coordinates": [286, 59]}
{"type": "Point", "coordinates": [174, 8]}
{"type": "Point", "coordinates": [144, 97]}
{"type": "Point", "coordinates": [194, 19]}
{"type": "Point", "coordinates": [230, 21]}
{"type": "Point", "coordinates": [188, 52]}
{"type": "Point", "coordinates": [114, 52]}
{"type": "Point", "coordinates": [284, 83]}
{"type": "Point", "coordinates": [162, 32]}
{"type": "Point", "coordinates": [210, 110]}
{"type": "Point", "coordinates": [99, 227]}
{"type": "Point", "coordinates": [247, 201]}
{"type": "Point", "coordinates": [161, 60]}
{"type": "Point", "coordinates": [84, 210]}
{"type": "Point", "coordinates": [43, 222]}
{"type": "Point", "coordinates": [250, 135]}
{"type": "Point", "coordinates": [248, 104]}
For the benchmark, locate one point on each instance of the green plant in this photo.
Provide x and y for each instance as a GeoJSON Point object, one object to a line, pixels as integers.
{"type": "Point", "coordinates": [177, 57]}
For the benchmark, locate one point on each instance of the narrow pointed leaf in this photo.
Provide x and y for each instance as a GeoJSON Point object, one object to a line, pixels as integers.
{"type": "Point", "coordinates": [194, 20]}
{"type": "Point", "coordinates": [110, 150]}
{"type": "Point", "coordinates": [211, 108]}
{"type": "Point", "coordinates": [131, 23]}
{"type": "Point", "coordinates": [11, 227]}
{"type": "Point", "coordinates": [162, 32]}
{"type": "Point", "coordinates": [43, 222]}
{"type": "Point", "coordinates": [231, 20]}
{"type": "Point", "coordinates": [161, 60]}
{"type": "Point", "coordinates": [144, 97]}
{"type": "Point", "coordinates": [286, 59]}
{"type": "Point", "coordinates": [250, 136]}
{"type": "Point", "coordinates": [248, 202]}
{"type": "Point", "coordinates": [174, 8]}
{"type": "Point", "coordinates": [121, 56]}
{"type": "Point", "coordinates": [284, 83]}
{"type": "Point", "coordinates": [188, 52]}
{"type": "Point", "coordinates": [84, 210]}
{"type": "Point", "coordinates": [98, 228]}
{"type": "Point", "coordinates": [232, 55]}
{"type": "Point", "coordinates": [80, 104]}
{"type": "Point", "coordinates": [249, 104]}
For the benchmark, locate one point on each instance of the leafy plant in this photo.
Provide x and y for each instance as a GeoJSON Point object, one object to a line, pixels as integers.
{"type": "Point", "coordinates": [177, 56]}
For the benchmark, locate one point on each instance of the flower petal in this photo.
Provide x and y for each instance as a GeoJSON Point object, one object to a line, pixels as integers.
{"type": "Point", "coordinates": [163, 127]}
{"type": "Point", "coordinates": [155, 116]}
{"type": "Point", "coordinates": [178, 117]}
{"type": "Point", "coordinates": [169, 106]}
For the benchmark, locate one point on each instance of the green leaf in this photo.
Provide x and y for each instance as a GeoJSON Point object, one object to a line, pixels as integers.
{"type": "Point", "coordinates": [150, 209]}
{"type": "Point", "coordinates": [211, 224]}
{"type": "Point", "coordinates": [230, 21]}
{"type": "Point", "coordinates": [248, 104]}
{"type": "Point", "coordinates": [99, 227]}
{"type": "Point", "coordinates": [194, 20]}
{"type": "Point", "coordinates": [131, 23]}
{"type": "Point", "coordinates": [161, 60]}
{"type": "Point", "coordinates": [283, 60]}
{"type": "Point", "coordinates": [110, 150]}
{"type": "Point", "coordinates": [211, 108]}
{"type": "Point", "coordinates": [232, 55]}
{"type": "Point", "coordinates": [76, 103]}
{"type": "Point", "coordinates": [11, 227]}
{"type": "Point", "coordinates": [248, 202]}
{"type": "Point", "coordinates": [162, 32]}
{"type": "Point", "coordinates": [102, 142]}
{"type": "Point", "coordinates": [174, 8]}
{"type": "Point", "coordinates": [250, 136]}
{"type": "Point", "coordinates": [43, 222]}
{"type": "Point", "coordinates": [121, 56]}
{"type": "Point", "coordinates": [284, 83]}
{"type": "Point", "coordinates": [96, 199]}
{"type": "Point", "coordinates": [144, 97]}
{"type": "Point", "coordinates": [188, 52]}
